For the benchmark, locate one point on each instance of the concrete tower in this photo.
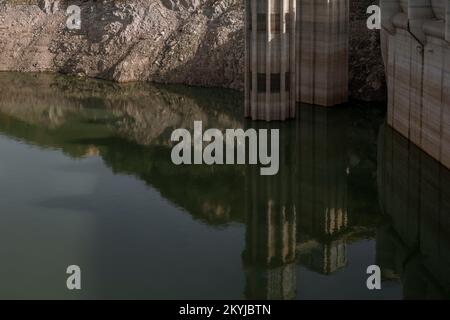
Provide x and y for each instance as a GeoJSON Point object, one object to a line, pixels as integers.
{"type": "Point", "coordinates": [296, 51]}
{"type": "Point", "coordinates": [270, 59]}
{"type": "Point", "coordinates": [322, 51]}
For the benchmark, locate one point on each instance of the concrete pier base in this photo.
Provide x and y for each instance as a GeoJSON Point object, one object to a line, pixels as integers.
{"type": "Point", "coordinates": [296, 51]}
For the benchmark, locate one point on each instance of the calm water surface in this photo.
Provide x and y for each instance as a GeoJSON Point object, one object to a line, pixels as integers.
{"type": "Point", "coordinates": [86, 179]}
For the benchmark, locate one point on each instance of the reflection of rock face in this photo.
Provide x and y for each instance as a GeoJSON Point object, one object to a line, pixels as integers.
{"type": "Point", "coordinates": [300, 216]}
{"type": "Point", "coordinates": [142, 113]}
{"type": "Point", "coordinates": [414, 192]}
{"type": "Point", "coordinates": [94, 117]}
{"type": "Point", "coordinates": [34, 100]}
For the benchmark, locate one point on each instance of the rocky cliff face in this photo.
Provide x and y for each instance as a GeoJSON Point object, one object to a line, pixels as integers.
{"type": "Point", "coordinates": [194, 42]}
{"type": "Point", "coordinates": [366, 79]}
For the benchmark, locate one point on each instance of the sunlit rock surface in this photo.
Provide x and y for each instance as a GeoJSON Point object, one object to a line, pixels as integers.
{"type": "Point", "coordinates": [196, 42]}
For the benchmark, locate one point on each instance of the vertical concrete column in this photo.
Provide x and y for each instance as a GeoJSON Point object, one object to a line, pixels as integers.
{"type": "Point", "coordinates": [322, 51]}
{"type": "Point", "coordinates": [284, 57]}
{"type": "Point", "coordinates": [247, 77]}
{"type": "Point", "coordinates": [389, 8]}
{"type": "Point", "coordinates": [271, 7]}
{"type": "Point", "coordinates": [269, 61]}
{"type": "Point", "coordinates": [297, 51]}
{"type": "Point", "coordinates": [254, 61]}
{"type": "Point", "coordinates": [445, 132]}
{"type": "Point", "coordinates": [292, 54]}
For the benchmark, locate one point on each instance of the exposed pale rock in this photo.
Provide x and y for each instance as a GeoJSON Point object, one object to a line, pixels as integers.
{"type": "Point", "coordinates": [168, 41]}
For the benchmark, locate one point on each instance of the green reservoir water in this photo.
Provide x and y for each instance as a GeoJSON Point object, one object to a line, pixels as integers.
{"type": "Point", "coordinates": [86, 178]}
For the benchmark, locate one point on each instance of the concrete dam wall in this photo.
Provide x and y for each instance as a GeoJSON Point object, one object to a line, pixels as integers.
{"type": "Point", "coordinates": [415, 43]}
{"type": "Point", "coordinates": [296, 51]}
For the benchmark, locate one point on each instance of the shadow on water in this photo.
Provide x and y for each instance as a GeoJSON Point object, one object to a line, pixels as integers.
{"type": "Point", "coordinates": [334, 164]}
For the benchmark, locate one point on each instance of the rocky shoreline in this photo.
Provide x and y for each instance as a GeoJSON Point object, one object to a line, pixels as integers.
{"type": "Point", "coordinates": [193, 42]}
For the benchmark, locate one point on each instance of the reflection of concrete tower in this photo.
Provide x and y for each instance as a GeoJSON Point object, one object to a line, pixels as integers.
{"type": "Point", "coordinates": [414, 192]}
{"type": "Point", "coordinates": [269, 255]}
{"type": "Point", "coordinates": [270, 243]}
{"type": "Point", "coordinates": [300, 214]}
{"type": "Point", "coordinates": [322, 189]}
{"type": "Point", "coordinates": [270, 51]}
{"type": "Point", "coordinates": [323, 257]}
{"type": "Point", "coordinates": [296, 51]}
{"type": "Point", "coordinates": [271, 227]}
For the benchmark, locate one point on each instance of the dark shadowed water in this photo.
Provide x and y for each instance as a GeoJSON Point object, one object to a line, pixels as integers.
{"type": "Point", "coordinates": [86, 178]}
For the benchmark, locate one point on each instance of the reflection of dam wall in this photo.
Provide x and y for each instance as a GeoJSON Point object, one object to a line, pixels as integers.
{"type": "Point", "coordinates": [416, 51]}
{"type": "Point", "coordinates": [143, 113]}
{"type": "Point", "coordinates": [415, 192]}
{"type": "Point", "coordinates": [296, 51]}
{"type": "Point", "coordinates": [300, 214]}
{"type": "Point", "coordinates": [399, 262]}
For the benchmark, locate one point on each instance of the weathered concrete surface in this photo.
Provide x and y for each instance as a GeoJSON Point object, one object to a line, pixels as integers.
{"type": "Point", "coordinates": [417, 59]}
{"type": "Point", "coordinates": [195, 42]}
